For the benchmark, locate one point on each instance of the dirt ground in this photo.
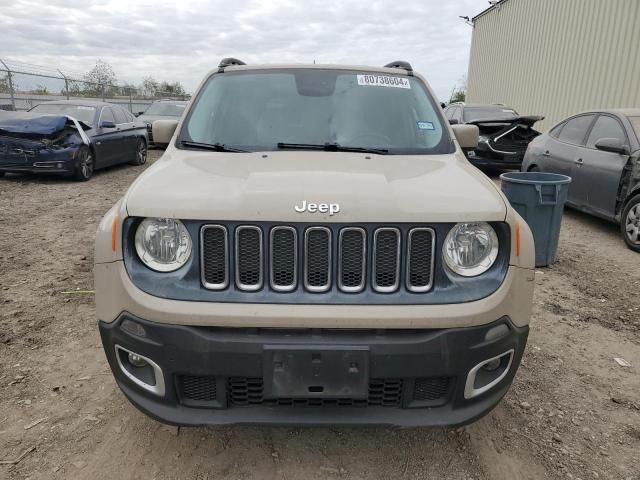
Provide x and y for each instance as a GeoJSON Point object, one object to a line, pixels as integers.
{"type": "Point", "coordinates": [573, 412]}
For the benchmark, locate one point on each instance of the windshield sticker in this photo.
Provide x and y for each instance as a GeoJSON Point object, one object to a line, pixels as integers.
{"type": "Point", "coordinates": [426, 126]}
{"type": "Point", "coordinates": [383, 81]}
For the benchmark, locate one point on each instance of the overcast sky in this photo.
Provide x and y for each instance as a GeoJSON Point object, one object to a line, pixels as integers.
{"type": "Point", "coordinates": [184, 39]}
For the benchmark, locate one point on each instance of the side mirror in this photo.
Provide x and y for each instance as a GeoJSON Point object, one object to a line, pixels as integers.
{"type": "Point", "coordinates": [107, 124]}
{"type": "Point", "coordinates": [163, 131]}
{"type": "Point", "coordinates": [453, 121]}
{"type": "Point", "coordinates": [467, 135]}
{"type": "Point", "coordinates": [613, 145]}
{"type": "Point", "coordinates": [139, 113]}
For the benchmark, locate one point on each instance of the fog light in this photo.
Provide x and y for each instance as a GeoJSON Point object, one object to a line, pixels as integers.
{"type": "Point", "coordinates": [142, 371]}
{"type": "Point", "coordinates": [488, 374]}
{"type": "Point", "coordinates": [491, 365]}
{"type": "Point", "coordinates": [137, 360]}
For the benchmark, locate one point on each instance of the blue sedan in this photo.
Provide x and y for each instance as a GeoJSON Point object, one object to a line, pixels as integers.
{"type": "Point", "coordinates": [72, 138]}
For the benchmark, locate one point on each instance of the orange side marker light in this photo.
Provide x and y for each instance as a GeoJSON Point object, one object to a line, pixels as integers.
{"type": "Point", "coordinates": [114, 233]}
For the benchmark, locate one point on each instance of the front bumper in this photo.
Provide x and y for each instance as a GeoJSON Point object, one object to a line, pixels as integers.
{"type": "Point", "coordinates": [59, 161]}
{"type": "Point", "coordinates": [220, 375]}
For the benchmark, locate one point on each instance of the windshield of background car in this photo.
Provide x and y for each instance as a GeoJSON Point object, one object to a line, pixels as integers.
{"type": "Point", "coordinates": [489, 113]}
{"type": "Point", "coordinates": [79, 112]}
{"type": "Point", "coordinates": [166, 109]}
{"type": "Point", "coordinates": [256, 110]}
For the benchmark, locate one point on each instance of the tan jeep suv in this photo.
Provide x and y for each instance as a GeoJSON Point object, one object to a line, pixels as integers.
{"type": "Point", "coordinates": [313, 247]}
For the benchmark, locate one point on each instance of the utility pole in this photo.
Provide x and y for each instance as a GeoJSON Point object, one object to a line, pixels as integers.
{"type": "Point", "coordinates": [9, 77]}
{"type": "Point", "coordinates": [66, 83]}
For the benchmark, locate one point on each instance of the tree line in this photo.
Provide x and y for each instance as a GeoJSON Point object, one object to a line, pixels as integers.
{"type": "Point", "coordinates": [101, 81]}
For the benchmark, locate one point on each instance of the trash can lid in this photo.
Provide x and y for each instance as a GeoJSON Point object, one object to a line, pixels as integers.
{"type": "Point", "coordinates": [535, 178]}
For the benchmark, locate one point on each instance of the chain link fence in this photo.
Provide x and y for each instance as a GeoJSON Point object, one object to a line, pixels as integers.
{"type": "Point", "coordinates": [24, 85]}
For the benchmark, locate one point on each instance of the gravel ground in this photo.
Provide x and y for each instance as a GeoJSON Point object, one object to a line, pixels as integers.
{"type": "Point", "coordinates": [573, 412]}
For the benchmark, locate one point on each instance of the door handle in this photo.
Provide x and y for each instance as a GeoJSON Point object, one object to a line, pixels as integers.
{"type": "Point", "coordinates": [546, 154]}
{"type": "Point", "coordinates": [578, 161]}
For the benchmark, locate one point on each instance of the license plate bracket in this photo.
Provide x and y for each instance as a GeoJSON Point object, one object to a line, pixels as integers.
{"type": "Point", "coordinates": [316, 372]}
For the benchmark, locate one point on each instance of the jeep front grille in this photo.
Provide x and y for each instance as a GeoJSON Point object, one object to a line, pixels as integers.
{"type": "Point", "coordinates": [317, 259]}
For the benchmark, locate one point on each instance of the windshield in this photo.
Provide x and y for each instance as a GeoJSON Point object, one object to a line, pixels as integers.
{"type": "Point", "coordinates": [79, 112]}
{"type": "Point", "coordinates": [271, 109]}
{"type": "Point", "coordinates": [165, 108]}
{"type": "Point", "coordinates": [488, 113]}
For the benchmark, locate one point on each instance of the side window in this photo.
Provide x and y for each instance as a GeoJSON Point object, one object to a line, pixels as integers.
{"type": "Point", "coordinates": [606, 127]}
{"type": "Point", "coordinates": [121, 115]}
{"type": "Point", "coordinates": [447, 112]}
{"type": "Point", "coordinates": [130, 118]}
{"type": "Point", "coordinates": [107, 115]}
{"type": "Point", "coordinates": [555, 131]}
{"type": "Point", "coordinates": [575, 130]}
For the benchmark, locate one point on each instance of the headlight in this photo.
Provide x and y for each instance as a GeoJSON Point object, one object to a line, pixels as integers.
{"type": "Point", "coordinates": [163, 244]}
{"type": "Point", "coordinates": [470, 248]}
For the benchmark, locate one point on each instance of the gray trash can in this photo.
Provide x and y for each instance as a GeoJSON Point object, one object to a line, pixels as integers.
{"type": "Point", "coordinates": [539, 198]}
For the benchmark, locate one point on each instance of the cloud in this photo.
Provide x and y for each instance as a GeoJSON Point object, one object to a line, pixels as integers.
{"type": "Point", "coordinates": [184, 40]}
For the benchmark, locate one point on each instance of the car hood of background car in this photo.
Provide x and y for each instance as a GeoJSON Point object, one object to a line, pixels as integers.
{"type": "Point", "coordinates": [153, 118]}
{"type": "Point", "coordinates": [35, 124]}
{"type": "Point", "coordinates": [267, 185]}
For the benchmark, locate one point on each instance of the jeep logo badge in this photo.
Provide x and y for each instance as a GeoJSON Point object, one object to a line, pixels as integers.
{"type": "Point", "coordinates": [330, 208]}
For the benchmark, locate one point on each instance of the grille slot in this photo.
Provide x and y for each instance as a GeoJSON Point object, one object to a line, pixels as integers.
{"type": "Point", "coordinates": [351, 261]}
{"type": "Point", "coordinates": [214, 257]}
{"type": "Point", "coordinates": [430, 390]}
{"type": "Point", "coordinates": [317, 261]}
{"type": "Point", "coordinates": [244, 391]}
{"type": "Point", "coordinates": [249, 258]}
{"type": "Point", "coordinates": [199, 389]}
{"type": "Point", "coordinates": [284, 259]}
{"type": "Point", "coordinates": [420, 258]}
{"type": "Point", "coordinates": [386, 260]}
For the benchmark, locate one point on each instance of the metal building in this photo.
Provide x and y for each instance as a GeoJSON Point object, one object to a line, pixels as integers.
{"type": "Point", "coordinates": [556, 57]}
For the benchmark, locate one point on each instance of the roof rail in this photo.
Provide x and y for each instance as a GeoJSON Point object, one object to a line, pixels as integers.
{"type": "Point", "coordinates": [228, 62]}
{"type": "Point", "coordinates": [400, 64]}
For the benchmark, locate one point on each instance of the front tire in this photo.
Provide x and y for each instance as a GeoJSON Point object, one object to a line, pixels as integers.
{"type": "Point", "coordinates": [141, 153]}
{"type": "Point", "coordinates": [630, 223]}
{"type": "Point", "coordinates": [85, 164]}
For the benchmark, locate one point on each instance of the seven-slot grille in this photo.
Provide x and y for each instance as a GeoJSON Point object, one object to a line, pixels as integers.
{"type": "Point", "coordinates": [318, 259]}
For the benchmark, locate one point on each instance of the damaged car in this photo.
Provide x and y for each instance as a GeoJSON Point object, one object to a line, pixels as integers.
{"type": "Point", "coordinates": [504, 135]}
{"type": "Point", "coordinates": [70, 138]}
{"type": "Point", "coordinates": [600, 151]}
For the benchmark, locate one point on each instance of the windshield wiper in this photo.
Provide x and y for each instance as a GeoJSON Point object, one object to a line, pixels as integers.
{"type": "Point", "coordinates": [218, 147]}
{"type": "Point", "coordinates": [329, 147]}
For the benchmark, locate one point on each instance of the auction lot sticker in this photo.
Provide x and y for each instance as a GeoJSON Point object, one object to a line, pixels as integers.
{"type": "Point", "coordinates": [383, 81]}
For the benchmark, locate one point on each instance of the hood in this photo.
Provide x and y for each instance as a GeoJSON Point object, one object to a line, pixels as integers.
{"type": "Point", "coordinates": [37, 124]}
{"type": "Point", "coordinates": [153, 118]}
{"type": "Point", "coordinates": [527, 120]}
{"type": "Point", "coordinates": [267, 186]}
